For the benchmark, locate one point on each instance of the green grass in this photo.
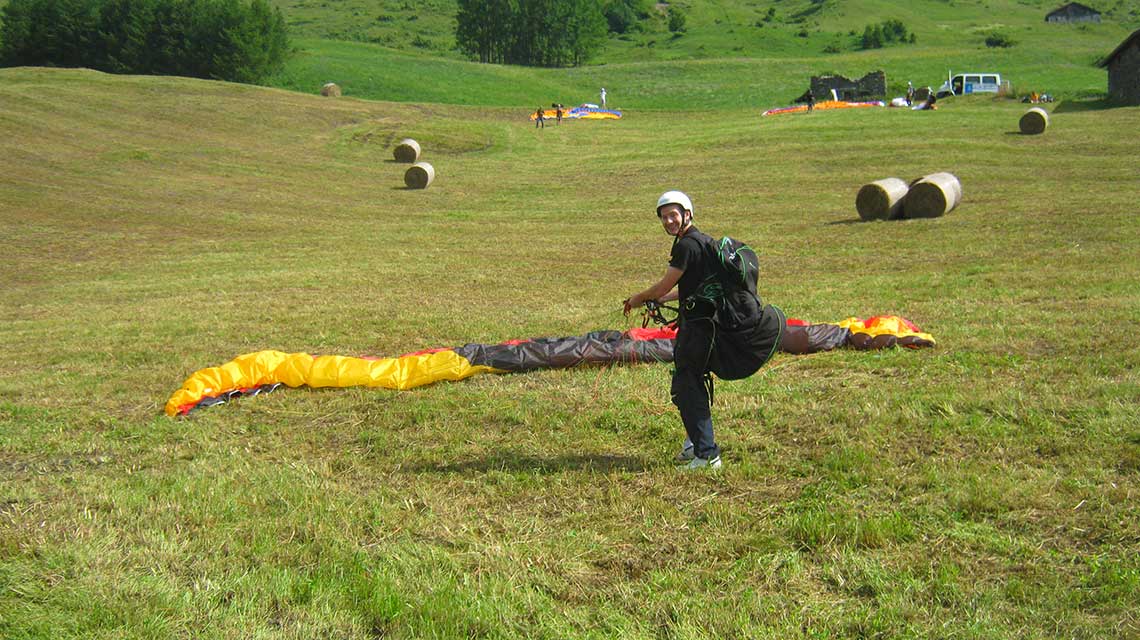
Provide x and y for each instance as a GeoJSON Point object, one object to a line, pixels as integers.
{"type": "Point", "coordinates": [155, 226]}
{"type": "Point", "coordinates": [723, 61]}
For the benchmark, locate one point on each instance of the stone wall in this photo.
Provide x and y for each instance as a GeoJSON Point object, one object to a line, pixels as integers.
{"type": "Point", "coordinates": [872, 86]}
{"type": "Point", "coordinates": [1124, 74]}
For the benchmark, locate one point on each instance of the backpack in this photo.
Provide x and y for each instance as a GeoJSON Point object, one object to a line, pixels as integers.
{"type": "Point", "coordinates": [730, 285]}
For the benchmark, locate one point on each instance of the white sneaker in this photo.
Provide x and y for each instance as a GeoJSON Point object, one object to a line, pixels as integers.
{"type": "Point", "coordinates": [686, 454]}
{"type": "Point", "coordinates": [701, 463]}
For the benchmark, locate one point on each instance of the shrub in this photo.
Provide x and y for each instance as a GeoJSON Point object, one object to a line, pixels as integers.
{"type": "Point", "coordinates": [876, 36]}
{"type": "Point", "coordinates": [872, 37]}
{"type": "Point", "coordinates": [677, 20]}
{"type": "Point", "coordinates": [620, 17]}
{"type": "Point", "coordinates": [1000, 40]}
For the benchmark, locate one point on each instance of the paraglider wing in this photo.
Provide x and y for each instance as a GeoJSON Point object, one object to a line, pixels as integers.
{"type": "Point", "coordinates": [264, 371]}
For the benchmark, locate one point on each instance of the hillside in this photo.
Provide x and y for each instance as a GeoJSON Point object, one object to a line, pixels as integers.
{"type": "Point", "coordinates": [725, 29]}
{"type": "Point", "coordinates": [729, 57]}
{"type": "Point", "coordinates": [984, 488]}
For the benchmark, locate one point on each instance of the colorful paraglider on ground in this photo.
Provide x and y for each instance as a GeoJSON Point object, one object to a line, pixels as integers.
{"type": "Point", "coordinates": [584, 111]}
{"type": "Point", "coordinates": [823, 106]}
{"type": "Point", "coordinates": [263, 371]}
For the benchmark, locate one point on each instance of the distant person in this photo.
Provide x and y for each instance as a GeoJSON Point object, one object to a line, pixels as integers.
{"type": "Point", "coordinates": [909, 94]}
{"type": "Point", "coordinates": [928, 105]}
{"type": "Point", "coordinates": [810, 101]}
{"type": "Point", "coordinates": [603, 97]}
{"type": "Point", "coordinates": [539, 119]}
{"type": "Point", "coordinates": [558, 115]}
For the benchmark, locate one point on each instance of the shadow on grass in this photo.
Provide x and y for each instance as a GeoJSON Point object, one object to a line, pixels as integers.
{"type": "Point", "coordinates": [1078, 106]}
{"type": "Point", "coordinates": [534, 464]}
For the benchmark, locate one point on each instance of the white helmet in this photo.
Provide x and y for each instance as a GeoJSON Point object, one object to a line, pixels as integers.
{"type": "Point", "coordinates": [674, 197]}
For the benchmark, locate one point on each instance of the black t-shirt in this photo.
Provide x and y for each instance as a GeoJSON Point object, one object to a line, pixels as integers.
{"type": "Point", "coordinates": [690, 257]}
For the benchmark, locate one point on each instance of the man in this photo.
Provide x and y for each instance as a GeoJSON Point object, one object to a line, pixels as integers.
{"type": "Point", "coordinates": [702, 344]}
{"type": "Point", "coordinates": [603, 97]}
{"type": "Point", "coordinates": [810, 101]}
{"type": "Point", "coordinates": [539, 118]}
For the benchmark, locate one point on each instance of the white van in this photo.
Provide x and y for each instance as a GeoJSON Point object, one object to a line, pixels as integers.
{"type": "Point", "coordinates": [961, 84]}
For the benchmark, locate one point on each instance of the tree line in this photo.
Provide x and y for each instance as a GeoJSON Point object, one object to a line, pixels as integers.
{"type": "Point", "coordinates": [545, 33]}
{"type": "Point", "coordinates": [229, 40]}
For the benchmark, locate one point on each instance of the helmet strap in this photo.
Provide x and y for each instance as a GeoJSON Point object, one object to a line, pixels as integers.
{"type": "Point", "coordinates": [686, 222]}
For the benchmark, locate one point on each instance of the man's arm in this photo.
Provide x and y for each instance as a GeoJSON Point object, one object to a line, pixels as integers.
{"type": "Point", "coordinates": [662, 290]}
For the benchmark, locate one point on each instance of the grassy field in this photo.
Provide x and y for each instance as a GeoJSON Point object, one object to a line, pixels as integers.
{"type": "Point", "coordinates": [720, 28]}
{"type": "Point", "coordinates": [393, 50]}
{"type": "Point", "coordinates": [151, 227]}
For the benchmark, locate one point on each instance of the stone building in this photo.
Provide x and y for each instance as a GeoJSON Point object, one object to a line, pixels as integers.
{"type": "Point", "coordinates": [1123, 66]}
{"type": "Point", "coordinates": [872, 86]}
{"type": "Point", "coordinates": [1073, 12]}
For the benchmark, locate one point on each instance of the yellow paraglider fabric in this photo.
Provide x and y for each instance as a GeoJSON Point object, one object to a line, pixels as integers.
{"type": "Point", "coordinates": [297, 369]}
{"type": "Point", "coordinates": [885, 325]}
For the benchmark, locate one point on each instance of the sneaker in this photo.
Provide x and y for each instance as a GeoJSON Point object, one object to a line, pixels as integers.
{"type": "Point", "coordinates": [701, 463]}
{"type": "Point", "coordinates": [686, 454]}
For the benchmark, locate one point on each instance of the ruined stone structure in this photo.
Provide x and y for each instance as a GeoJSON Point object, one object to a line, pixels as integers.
{"type": "Point", "coordinates": [872, 86]}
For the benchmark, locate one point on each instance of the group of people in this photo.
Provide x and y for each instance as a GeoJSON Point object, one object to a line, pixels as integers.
{"type": "Point", "coordinates": [540, 113]}
{"type": "Point", "coordinates": [540, 116]}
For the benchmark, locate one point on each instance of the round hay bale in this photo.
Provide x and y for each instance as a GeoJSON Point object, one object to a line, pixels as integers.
{"type": "Point", "coordinates": [881, 200]}
{"type": "Point", "coordinates": [330, 90]}
{"type": "Point", "coordinates": [419, 175]}
{"type": "Point", "coordinates": [932, 196]}
{"type": "Point", "coordinates": [407, 150]}
{"type": "Point", "coordinates": [1034, 121]}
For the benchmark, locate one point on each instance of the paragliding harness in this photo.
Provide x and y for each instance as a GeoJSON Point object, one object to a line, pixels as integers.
{"type": "Point", "coordinates": [654, 312]}
{"type": "Point", "coordinates": [729, 290]}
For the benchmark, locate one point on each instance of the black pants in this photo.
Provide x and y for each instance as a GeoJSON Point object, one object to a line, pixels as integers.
{"type": "Point", "coordinates": [691, 354]}
{"type": "Point", "coordinates": [703, 346]}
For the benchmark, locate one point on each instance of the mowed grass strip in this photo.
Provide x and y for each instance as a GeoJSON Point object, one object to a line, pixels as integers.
{"type": "Point", "coordinates": [152, 227]}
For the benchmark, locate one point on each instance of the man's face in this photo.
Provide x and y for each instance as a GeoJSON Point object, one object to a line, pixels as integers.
{"type": "Point", "coordinates": [672, 217]}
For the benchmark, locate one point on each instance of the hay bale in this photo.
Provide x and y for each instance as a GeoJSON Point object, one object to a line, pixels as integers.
{"type": "Point", "coordinates": [419, 175]}
{"type": "Point", "coordinates": [881, 200]}
{"type": "Point", "coordinates": [1034, 121]}
{"type": "Point", "coordinates": [407, 150]}
{"type": "Point", "coordinates": [932, 196]}
{"type": "Point", "coordinates": [330, 90]}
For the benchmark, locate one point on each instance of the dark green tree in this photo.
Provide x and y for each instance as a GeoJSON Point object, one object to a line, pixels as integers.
{"type": "Point", "coordinates": [485, 28]}
{"type": "Point", "coordinates": [55, 33]}
{"type": "Point", "coordinates": [236, 40]}
{"type": "Point", "coordinates": [547, 33]}
{"type": "Point", "coordinates": [872, 37]}
{"type": "Point", "coordinates": [585, 31]}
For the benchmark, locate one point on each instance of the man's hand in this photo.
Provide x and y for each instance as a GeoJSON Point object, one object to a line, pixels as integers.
{"type": "Point", "coordinates": [628, 306]}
